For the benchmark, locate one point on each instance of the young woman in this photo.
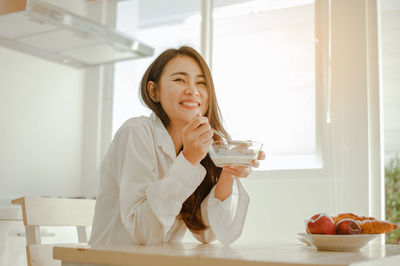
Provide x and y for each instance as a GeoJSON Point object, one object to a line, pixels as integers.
{"type": "Point", "coordinates": [157, 179]}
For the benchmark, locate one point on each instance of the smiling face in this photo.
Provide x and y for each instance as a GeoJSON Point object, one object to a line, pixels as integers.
{"type": "Point", "coordinates": [182, 91]}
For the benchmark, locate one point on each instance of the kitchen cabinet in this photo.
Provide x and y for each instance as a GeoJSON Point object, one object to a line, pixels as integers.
{"type": "Point", "coordinates": [48, 31]}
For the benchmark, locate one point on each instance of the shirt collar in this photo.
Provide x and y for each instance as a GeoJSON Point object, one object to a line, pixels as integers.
{"type": "Point", "coordinates": [162, 137]}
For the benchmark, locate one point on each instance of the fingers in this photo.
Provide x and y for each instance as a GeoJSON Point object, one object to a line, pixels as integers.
{"type": "Point", "coordinates": [261, 155]}
{"type": "Point", "coordinates": [203, 128]}
{"type": "Point", "coordinates": [255, 163]}
{"type": "Point", "coordinates": [197, 139]}
{"type": "Point", "coordinates": [200, 129]}
{"type": "Point", "coordinates": [197, 122]}
{"type": "Point", "coordinates": [206, 137]}
{"type": "Point", "coordinates": [238, 171]}
{"type": "Point", "coordinates": [208, 141]}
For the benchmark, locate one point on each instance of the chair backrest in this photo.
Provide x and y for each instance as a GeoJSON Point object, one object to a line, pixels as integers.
{"type": "Point", "coordinates": [38, 212]}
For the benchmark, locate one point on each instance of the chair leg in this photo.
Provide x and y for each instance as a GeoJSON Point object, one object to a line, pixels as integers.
{"type": "Point", "coordinates": [32, 234]}
{"type": "Point", "coordinates": [83, 233]}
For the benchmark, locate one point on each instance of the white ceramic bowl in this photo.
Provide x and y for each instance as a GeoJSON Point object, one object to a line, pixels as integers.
{"type": "Point", "coordinates": [337, 242]}
{"type": "Point", "coordinates": [234, 153]}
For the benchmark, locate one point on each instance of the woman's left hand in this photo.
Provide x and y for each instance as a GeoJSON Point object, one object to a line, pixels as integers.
{"type": "Point", "coordinates": [261, 156]}
{"type": "Point", "coordinates": [225, 181]}
{"type": "Point", "coordinates": [243, 171]}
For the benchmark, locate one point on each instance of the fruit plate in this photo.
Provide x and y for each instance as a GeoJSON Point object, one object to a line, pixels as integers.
{"type": "Point", "coordinates": [338, 242]}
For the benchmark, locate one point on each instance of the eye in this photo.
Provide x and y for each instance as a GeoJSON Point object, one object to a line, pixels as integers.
{"type": "Point", "coordinates": [203, 83]}
{"type": "Point", "coordinates": [179, 80]}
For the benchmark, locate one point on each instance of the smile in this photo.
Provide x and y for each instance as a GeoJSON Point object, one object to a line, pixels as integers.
{"type": "Point", "coordinates": [190, 104]}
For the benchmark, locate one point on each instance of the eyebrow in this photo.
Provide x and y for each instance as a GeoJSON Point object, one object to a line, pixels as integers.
{"type": "Point", "coordinates": [185, 74]}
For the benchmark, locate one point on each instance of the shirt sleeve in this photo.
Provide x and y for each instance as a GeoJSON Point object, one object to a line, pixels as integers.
{"type": "Point", "coordinates": [149, 205]}
{"type": "Point", "coordinates": [224, 218]}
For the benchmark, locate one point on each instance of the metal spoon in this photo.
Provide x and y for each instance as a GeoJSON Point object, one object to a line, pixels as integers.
{"type": "Point", "coordinates": [217, 133]}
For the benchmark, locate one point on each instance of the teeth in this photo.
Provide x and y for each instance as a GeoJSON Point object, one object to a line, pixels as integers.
{"type": "Point", "coordinates": [189, 103]}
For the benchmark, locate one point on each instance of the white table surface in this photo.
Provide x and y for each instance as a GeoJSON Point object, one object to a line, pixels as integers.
{"type": "Point", "coordinates": [216, 254]}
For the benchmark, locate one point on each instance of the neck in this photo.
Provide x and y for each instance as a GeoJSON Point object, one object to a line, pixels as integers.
{"type": "Point", "coordinates": [175, 131]}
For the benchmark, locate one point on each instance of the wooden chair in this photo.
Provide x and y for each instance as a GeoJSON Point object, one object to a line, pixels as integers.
{"type": "Point", "coordinates": [52, 212]}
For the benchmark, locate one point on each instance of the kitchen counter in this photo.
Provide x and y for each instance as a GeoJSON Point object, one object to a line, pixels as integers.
{"type": "Point", "coordinates": [289, 254]}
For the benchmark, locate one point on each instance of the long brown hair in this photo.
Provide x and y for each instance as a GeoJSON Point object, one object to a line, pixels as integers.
{"type": "Point", "coordinates": [191, 211]}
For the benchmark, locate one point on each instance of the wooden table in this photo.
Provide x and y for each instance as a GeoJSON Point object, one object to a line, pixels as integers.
{"type": "Point", "coordinates": [215, 254]}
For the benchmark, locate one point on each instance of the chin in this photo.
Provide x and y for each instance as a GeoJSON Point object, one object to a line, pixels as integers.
{"type": "Point", "coordinates": [189, 117]}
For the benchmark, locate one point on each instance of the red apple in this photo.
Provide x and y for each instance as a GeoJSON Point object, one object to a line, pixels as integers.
{"type": "Point", "coordinates": [321, 224]}
{"type": "Point", "coordinates": [312, 218]}
{"type": "Point", "coordinates": [348, 227]}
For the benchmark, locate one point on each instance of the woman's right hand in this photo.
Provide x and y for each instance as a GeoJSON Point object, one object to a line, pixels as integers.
{"type": "Point", "coordinates": [197, 139]}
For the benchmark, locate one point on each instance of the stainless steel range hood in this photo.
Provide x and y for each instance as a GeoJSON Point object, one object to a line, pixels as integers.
{"type": "Point", "coordinates": [39, 28]}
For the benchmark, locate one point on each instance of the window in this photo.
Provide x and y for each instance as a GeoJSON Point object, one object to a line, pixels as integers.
{"type": "Point", "coordinates": [269, 49]}
{"type": "Point", "coordinates": [263, 66]}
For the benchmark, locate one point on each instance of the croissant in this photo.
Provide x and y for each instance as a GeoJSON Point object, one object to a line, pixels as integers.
{"type": "Point", "coordinates": [342, 216]}
{"type": "Point", "coordinates": [376, 227]}
{"type": "Point", "coordinates": [369, 225]}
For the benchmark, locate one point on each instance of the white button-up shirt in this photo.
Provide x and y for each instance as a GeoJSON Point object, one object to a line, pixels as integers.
{"type": "Point", "coordinates": [143, 185]}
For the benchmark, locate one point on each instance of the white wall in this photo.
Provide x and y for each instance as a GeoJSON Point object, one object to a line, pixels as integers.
{"type": "Point", "coordinates": [41, 118]}
{"type": "Point", "coordinates": [41, 126]}
{"type": "Point", "coordinates": [278, 206]}
{"type": "Point", "coordinates": [56, 119]}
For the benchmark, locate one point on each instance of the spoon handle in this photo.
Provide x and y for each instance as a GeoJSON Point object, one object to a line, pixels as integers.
{"type": "Point", "coordinates": [217, 133]}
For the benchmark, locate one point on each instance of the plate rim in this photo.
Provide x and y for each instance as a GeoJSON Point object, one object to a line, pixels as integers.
{"type": "Point", "coordinates": [338, 236]}
{"type": "Point", "coordinates": [364, 238]}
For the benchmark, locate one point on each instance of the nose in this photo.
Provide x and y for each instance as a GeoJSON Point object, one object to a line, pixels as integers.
{"type": "Point", "coordinates": [192, 90]}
